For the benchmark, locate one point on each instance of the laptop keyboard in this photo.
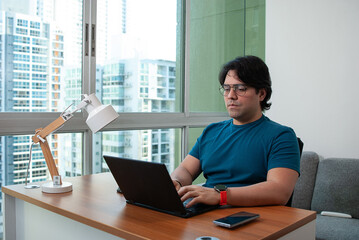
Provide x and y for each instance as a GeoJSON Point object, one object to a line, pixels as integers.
{"type": "Point", "coordinates": [187, 201]}
{"type": "Point", "coordinates": [199, 207]}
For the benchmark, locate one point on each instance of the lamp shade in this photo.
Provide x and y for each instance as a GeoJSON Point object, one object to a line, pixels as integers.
{"type": "Point", "coordinates": [99, 115]}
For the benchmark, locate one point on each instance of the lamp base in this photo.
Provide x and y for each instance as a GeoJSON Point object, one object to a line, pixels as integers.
{"type": "Point", "coordinates": [51, 188]}
{"type": "Point", "coordinates": [31, 186]}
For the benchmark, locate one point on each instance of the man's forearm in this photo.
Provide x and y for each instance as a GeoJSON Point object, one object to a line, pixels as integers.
{"type": "Point", "coordinates": [275, 191]}
{"type": "Point", "coordinates": [265, 193]}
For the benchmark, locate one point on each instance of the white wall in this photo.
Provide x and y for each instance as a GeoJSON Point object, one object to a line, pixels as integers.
{"type": "Point", "coordinates": [312, 51]}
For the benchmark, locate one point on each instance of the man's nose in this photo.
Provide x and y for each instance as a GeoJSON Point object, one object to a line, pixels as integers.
{"type": "Point", "coordinates": [232, 94]}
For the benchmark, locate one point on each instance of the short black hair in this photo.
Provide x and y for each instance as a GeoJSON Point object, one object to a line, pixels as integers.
{"type": "Point", "coordinates": [253, 72]}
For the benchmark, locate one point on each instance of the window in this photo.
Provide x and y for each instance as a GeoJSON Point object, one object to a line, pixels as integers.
{"type": "Point", "coordinates": [28, 41]}
{"type": "Point", "coordinates": [138, 67]}
{"type": "Point", "coordinates": [22, 22]}
{"type": "Point", "coordinates": [21, 31]}
{"type": "Point", "coordinates": [35, 25]}
{"type": "Point", "coordinates": [126, 144]}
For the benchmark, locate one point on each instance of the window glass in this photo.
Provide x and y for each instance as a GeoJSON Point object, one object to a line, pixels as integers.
{"type": "Point", "coordinates": [152, 145]}
{"type": "Point", "coordinates": [136, 56]}
{"type": "Point", "coordinates": [219, 32]}
{"type": "Point", "coordinates": [66, 149]}
{"type": "Point", "coordinates": [138, 70]}
{"type": "Point", "coordinates": [193, 134]}
{"type": "Point", "coordinates": [255, 28]}
{"type": "Point", "coordinates": [40, 71]}
{"type": "Point", "coordinates": [41, 54]}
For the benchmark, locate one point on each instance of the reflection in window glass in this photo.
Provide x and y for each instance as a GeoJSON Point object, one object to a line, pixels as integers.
{"type": "Point", "coordinates": [153, 145]}
{"type": "Point", "coordinates": [136, 56]}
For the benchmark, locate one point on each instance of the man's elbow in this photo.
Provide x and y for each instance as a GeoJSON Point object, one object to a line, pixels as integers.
{"type": "Point", "coordinates": [283, 198]}
{"type": "Point", "coordinates": [282, 195]}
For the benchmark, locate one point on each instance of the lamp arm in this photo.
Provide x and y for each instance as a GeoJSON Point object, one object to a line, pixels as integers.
{"type": "Point", "coordinates": [40, 137]}
{"type": "Point", "coordinates": [56, 124]}
{"type": "Point", "coordinates": [81, 105]}
{"type": "Point", "coordinates": [51, 165]}
{"type": "Point", "coordinates": [42, 133]}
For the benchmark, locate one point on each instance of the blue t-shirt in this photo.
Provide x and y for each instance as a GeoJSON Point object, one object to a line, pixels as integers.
{"type": "Point", "coordinates": [242, 155]}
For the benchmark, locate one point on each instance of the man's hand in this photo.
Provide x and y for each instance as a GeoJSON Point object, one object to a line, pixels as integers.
{"type": "Point", "coordinates": [199, 194]}
{"type": "Point", "coordinates": [177, 184]}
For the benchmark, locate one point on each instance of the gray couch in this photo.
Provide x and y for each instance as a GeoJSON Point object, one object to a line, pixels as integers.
{"type": "Point", "coordinates": [330, 184]}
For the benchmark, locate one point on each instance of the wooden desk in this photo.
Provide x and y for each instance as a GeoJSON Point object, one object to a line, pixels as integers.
{"type": "Point", "coordinates": [94, 210]}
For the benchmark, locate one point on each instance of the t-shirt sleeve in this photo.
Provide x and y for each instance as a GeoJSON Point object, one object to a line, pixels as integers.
{"type": "Point", "coordinates": [196, 148]}
{"type": "Point", "coordinates": [285, 151]}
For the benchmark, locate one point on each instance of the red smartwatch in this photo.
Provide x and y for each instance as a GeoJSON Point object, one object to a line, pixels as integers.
{"type": "Point", "coordinates": [222, 189]}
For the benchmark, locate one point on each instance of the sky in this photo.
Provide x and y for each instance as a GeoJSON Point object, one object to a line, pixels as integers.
{"type": "Point", "coordinates": [151, 27]}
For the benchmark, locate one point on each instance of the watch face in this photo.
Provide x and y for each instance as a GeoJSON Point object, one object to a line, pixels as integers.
{"type": "Point", "coordinates": [220, 187]}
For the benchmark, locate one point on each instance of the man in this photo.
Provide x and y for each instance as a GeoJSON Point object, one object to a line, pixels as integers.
{"type": "Point", "coordinates": [248, 160]}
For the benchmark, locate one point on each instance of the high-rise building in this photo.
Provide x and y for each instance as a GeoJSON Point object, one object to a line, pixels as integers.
{"type": "Point", "coordinates": [138, 85]}
{"type": "Point", "coordinates": [32, 69]}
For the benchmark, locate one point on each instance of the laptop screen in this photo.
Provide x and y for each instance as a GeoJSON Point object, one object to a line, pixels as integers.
{"type": "Point", "coordinates": [149, 185]}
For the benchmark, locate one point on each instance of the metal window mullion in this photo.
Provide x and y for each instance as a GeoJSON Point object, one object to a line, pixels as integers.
{"type": "Point", "coordinates": [23, 123]}
{"type": "Point", "coordinates": [19, 123]}
{"type": "Point", "coordinates": [92, 64]}
{"type": "Point", "coordinates": [244, 29]}
{"type": "Point", "coordinates": [185, 61]}
{"type": "Point", "coordinates": [185, 136]}
{"type": "Point", "coordinates": [185, 45]}
{"type": "Point", "coordinates": [88, 84]}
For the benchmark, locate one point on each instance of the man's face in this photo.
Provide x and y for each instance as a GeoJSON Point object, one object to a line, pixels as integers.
{"type": "Point", "coordinates": [243, 108]}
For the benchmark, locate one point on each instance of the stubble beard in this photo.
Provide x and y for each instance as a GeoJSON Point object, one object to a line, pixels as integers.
{"type": "Point", "coordinates": [242, 116]}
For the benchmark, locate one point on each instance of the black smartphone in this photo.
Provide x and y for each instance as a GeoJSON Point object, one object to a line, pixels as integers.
{"type": "Point", "coordinates": [236, 219]}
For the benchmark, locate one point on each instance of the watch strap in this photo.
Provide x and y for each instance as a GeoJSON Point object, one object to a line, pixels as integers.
{"type": "Point", "coordinates": [223, 200]}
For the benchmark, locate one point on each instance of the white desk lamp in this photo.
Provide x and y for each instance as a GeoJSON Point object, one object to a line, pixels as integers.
{"type": "Point", "coordinates": [99, 116]}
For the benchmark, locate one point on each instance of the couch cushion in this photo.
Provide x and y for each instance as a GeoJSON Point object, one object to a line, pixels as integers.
{"type": "Point", "coordinates": [337, 186]}
{"type": "Point", "coordinates": [303, 191]}
{"type": "Point", "coordinates": [334, 228]}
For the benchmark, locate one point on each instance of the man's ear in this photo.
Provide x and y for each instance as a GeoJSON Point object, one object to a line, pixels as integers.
{"type": "Point", "coordinates": [262, 94]}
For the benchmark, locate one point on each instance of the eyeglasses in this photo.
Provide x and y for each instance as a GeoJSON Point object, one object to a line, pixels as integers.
{"type": "Point", "coordinates": [239, 89]}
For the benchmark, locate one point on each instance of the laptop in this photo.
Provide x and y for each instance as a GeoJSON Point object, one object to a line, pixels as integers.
{"type": "Point", "coordinates": [149, 185]}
